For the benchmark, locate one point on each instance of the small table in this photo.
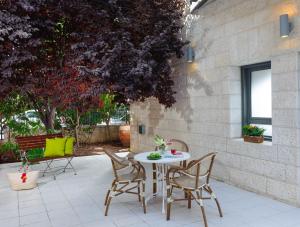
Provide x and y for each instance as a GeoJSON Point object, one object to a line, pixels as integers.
{"type": "Point", "coordinates": [166, 159]}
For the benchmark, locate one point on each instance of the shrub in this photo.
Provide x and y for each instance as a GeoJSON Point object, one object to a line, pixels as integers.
{"type": "Point", "coordinates": [9, 146]}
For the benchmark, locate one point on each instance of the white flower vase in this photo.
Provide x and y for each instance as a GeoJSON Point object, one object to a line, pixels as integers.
{"type": "Point", "coordinates": [16, 183]}
{"type": "Point", "coordinates": [162, 150]}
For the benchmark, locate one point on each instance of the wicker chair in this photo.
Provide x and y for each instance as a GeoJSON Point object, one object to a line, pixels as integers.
{"type": "Point", "coordinates": [193, 180]}
{"type": "Point", "coordinates": [134, 178]}
{"type": "Point", "coordinates": [179, 145]}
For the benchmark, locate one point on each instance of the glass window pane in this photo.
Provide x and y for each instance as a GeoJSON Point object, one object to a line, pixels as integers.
{"type": "Point", "coordinates": [261, 94]}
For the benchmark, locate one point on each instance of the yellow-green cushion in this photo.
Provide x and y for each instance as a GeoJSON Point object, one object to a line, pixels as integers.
{"type": "Point", "coordinates": [55, 147]}
{"type": "Point", "coordinates": [69, 148]}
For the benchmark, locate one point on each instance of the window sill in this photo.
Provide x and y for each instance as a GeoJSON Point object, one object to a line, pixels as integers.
{"type": "Point", "coordinates": [241, 140]}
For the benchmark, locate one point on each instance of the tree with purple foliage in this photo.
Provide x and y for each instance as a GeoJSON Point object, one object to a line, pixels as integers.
{"type": "Point", "coordinates": [64, 53]}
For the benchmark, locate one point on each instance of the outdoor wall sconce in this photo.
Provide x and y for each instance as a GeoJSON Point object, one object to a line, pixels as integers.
{"type": "Point", "coordinates": [142, 129]}
{"type": "Point", "coordinates": [190, 54]}
{"type": "Point", "coordinates": [285, 26]}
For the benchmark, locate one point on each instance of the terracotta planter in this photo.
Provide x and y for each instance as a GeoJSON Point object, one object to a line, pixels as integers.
{"type": "Point", "coordinates": [254, 139]}
{"type": "Point", "coordinates": [8, 156]}
{"type": "Point", "coordinates": [124, 135]}
{"type": "Point", "coordinates": [16, 183]}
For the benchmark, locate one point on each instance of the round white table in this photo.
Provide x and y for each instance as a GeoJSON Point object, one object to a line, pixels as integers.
{"type": "Point", "coordinates": [167, 158]}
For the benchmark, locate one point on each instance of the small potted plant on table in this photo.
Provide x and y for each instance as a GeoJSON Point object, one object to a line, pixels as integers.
{"type": "Point", "coordinates": [161, 144]}
{"type": "Point", "coordinates": [253, 134]}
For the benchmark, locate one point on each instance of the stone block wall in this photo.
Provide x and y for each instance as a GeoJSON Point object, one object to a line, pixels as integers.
{"type": "Point", "coordinates": [207, 114]}
{"type": "Point", "coordinates": [100, 134]}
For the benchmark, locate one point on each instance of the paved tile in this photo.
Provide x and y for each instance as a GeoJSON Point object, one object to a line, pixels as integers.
{"type": "Point", "coordinates": [10, 222]}
{"type": "Point", "coordinates": [77, 201]}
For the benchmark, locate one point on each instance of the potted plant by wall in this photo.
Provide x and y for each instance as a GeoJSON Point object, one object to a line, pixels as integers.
{"type": "Point", "coordinates": [124, 130]}
{"type": "Point", "coordinates": [8, 152]}
{"type": "Point", "coordinates": [253, 134]}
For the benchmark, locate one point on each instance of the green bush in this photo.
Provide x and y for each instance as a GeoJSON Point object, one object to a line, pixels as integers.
{"type": "Point", "coordinates": [35, 153]}
{"type": "Point", "coordinates": [250, 130]}
{"type": "Point", "coordinates": [9, 146]}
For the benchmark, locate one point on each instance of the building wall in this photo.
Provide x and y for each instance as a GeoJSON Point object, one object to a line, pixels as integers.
{"type": "Point", "coordinates": [207, 114]}
{"type": "Point", "coordinates": [100, 134]}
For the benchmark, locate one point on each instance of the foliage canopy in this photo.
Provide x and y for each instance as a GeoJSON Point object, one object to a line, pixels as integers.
{"type": "Point", "coordinates": [64, 53]}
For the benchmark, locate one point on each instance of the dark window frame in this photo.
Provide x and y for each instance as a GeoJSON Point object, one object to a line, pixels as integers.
{"type": "Point", "coordinates": [246, 95]}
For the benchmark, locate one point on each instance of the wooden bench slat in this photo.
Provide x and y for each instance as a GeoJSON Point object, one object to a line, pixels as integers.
{"type": "Point", "coordinates": [30, 142]}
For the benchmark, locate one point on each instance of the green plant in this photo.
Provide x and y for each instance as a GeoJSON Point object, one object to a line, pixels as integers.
{"type": "Point", "coordinates": [154, 156]}
{"type": "Point", "coordinates": [107, 107]}
{"type": "Point", "coordinates": [251, 130]}
{"type": "Point", "coordinates": [24, 126]}
{"type": "Point", "coordinates": [160, 142]}
{"type": "Point", "coordinates": [9, 146]}
{"type": "Point", "coordinates": [11, 106]}
{"type": "Point", "coordinates": [8, 151]}
{"type": "Point", "coordinates": [35, 153]}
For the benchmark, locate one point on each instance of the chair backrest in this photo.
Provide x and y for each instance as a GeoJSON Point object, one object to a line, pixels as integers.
{"type": "Point", "coordinates": [179, 145]}
{"type": "Point", "coordinates": [201, 168]}
{"type": "Point", "coordinates": [30, 142]}
{"type": "Point", "coordinates": [118, 162]}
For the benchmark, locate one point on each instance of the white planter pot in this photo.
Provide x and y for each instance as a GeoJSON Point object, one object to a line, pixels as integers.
{"type": "Point", "coordinates": [16, 183]}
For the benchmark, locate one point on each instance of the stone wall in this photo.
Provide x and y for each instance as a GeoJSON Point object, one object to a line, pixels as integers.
{"type": "Point", "coordinates": [100, 134]}
{"type": "Point", "coordinates": [207, 114]}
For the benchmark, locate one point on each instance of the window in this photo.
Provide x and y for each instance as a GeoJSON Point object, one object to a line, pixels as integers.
{"type": "Point", "coordinates": [257, 96]}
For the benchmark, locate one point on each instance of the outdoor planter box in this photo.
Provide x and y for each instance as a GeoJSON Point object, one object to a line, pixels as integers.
{"type": "Point", "coordinates": [254, 139]}
{"type": "Point", "coordinates": [16, 183]}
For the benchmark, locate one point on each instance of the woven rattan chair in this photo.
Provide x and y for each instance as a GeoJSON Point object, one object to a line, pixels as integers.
{"type": "Point", "coordinates": [193, 180]}
{"type": "Point", "coordinates": [134, 178]}
{"type": "Point", "coordinates": [179, 145]}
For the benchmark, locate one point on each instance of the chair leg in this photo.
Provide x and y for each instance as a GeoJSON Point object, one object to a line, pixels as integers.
{"type": "Point", "coordinates": [108, 192]}
{"type": "Point", "coordinates": [200, 200]}
{"type": "Point", "coordinates": [189, 197]}
{"type": "Point", "coordinates": [107, 205]}
{"type": "Point", "coordinates": [143, 196]}
{"type": "Point", "coordinates": [204, 216]}
{"type": "Point", "coordinates": [70, 164]}
{"type": "Point", "coordinates": [48, 167]}
{"type": "Point", "coordinates": [216, 200]}
{"type": "Point", "coordinates": [110, 198]}
{"type": "Point", "coordinates": [186, 195]}
{"type": "Point", "coordinates": [154, 178]}
{"type": "Point", "coordinates": [106, 197]}
{"type": "Point", "coordinates": [139, 191]}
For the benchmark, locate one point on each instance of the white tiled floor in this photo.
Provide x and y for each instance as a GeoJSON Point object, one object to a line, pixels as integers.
{"type": "Point", "coordinates": [77, 201]}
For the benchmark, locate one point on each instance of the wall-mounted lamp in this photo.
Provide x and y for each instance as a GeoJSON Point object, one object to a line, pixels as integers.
{"type": "Point", "coordinates": [190, 54]}
{"type": "Point", "coordinates": [285, 26]}
{"type": "Point", "coordinates": [142, 129]}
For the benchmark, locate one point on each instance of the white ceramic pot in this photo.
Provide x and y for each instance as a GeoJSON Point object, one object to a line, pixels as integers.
{"type": "Point", "coordinates": [16, 183]}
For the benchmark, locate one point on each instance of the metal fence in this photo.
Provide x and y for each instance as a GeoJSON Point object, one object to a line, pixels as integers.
{"type": "Point", "coordinates": [121, 115]}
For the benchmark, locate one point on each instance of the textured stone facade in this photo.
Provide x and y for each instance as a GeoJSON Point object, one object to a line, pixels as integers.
{"type": "Point", "coordinates": [207, 114]}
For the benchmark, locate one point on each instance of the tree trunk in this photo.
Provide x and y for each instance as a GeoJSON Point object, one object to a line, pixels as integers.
{"type": "Point", "coordinates": [49, 118]}
{"type": "Point", "coordinates": [9, 135]}
{"type": "Point", "coordinates": [46, 111]}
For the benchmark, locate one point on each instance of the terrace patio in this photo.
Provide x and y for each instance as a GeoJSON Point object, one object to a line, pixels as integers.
{"type": "Point", "coordinates": [222, 78]}
{"type": "Point", "coordinates": [77, 201]}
